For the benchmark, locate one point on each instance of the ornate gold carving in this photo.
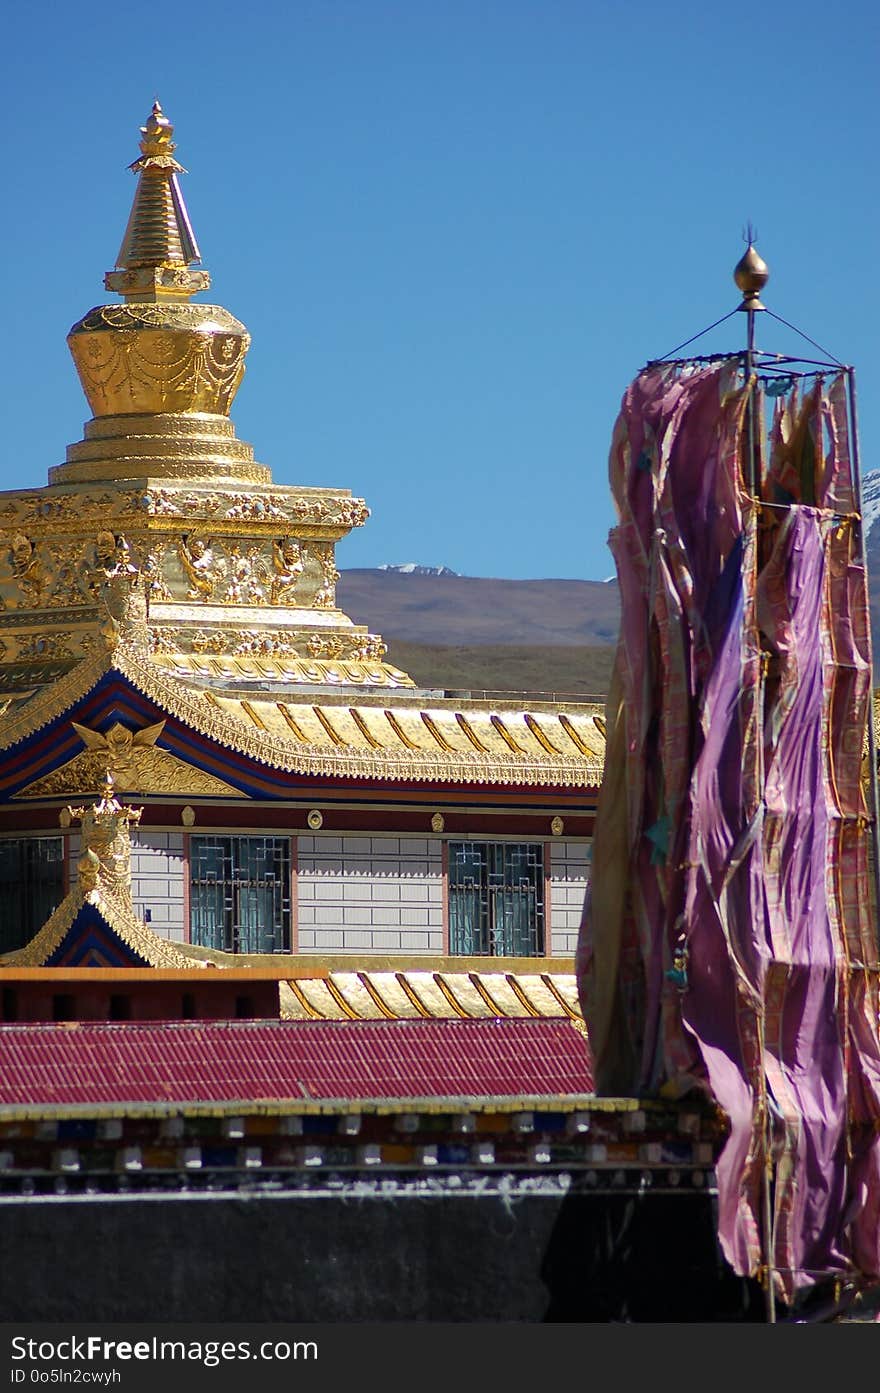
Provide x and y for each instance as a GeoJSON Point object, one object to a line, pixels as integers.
{"type": "Point", "coordinates": [437, 822]}
{"type": "Point", "coordinates": [331, 646]}
{"type": "Point", "coordinates": [315, 819]}
{"type": "Point", "coordinates": [24, 572]}
{"type": "Point", "coordinates": [289, 566]}
{"type": "Point", "coordinates": [264, 645]}
{"type": "Point", "coordinates": [208, 641]}
{"type": "Point", "coordinates": [153, 772]}
{"type": "Point", "coordinates": [159, 358]}
{"type": "Point", "coordinates": [325, 595]}
{"type": "Point", "coordinates": [152, 572]}
{"type": "Point", "coordinates": [247, 575]}
{"type": "Point", "coordinates": [42, 647]}
{"type": "Point", "coordinates": [205, 572]}
{"type": "Point", "coordinates": [187, 816]}
{"type": "Point", "coordinates": [281, 752]}
{"type": "Point", "coordinates": [119, 745]}
{"type": "Point", "coordinates": [105, 862]}
{"type": "Point", "coordinates": [557, 826]}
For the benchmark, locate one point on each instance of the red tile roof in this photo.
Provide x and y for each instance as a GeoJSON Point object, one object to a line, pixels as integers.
{"type": "Point", "coordinates": [225, 1061]}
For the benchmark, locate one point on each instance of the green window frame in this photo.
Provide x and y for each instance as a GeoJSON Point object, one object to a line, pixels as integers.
{"type": "Point", "coordinates": [496, 899]}
{"type": "Point", "coordinates": [240, 894]}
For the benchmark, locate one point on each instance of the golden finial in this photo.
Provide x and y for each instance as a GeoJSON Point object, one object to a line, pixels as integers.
{"type": "Point", "coordinates": [159, 246]}
{"type": "Point", "coordinates": [751, 275]}
{"type": "Point", "coordinates": [157, 139]}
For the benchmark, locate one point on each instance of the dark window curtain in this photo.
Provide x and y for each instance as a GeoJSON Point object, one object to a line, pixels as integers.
{"type": "Point", "coordinates": [31, 887]}
{"type": "Point", "coordinates": [496, 899]}
{"type": "Point", "coordinates": [240, 893]}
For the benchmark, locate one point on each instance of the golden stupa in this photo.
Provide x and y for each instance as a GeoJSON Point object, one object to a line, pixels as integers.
{"type": "Point", "coordinates": [160, 531]}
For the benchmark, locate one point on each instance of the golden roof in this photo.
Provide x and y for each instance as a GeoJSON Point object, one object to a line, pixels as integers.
{"type": "Point", "coordinates": [423, 995]}
{"type": "Point", "coordinates": [416, 736]}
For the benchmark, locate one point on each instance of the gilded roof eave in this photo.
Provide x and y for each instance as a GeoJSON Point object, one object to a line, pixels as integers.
{"type": "Point", "coordinates": [121, 920]}
{"type": "Point", "coordinates": [237, 729]}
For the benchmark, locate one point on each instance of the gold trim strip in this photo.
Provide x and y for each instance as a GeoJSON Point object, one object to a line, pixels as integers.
{"type": "Point", "coordinates": [399, 731]}
{"type": "Point", "coordinates": [295, 990]}
{"type": "Point", "coordinates": [413, 996]}
{"type": "Point", "coordinates": [364, 729]}
{"type": "Point", "coordinates": [376, 997]}
{"type": "Point", "coordinates": [292, 725]}
{"type": "Point", "coordinates": [254, 715]}
{"type": "Point", "coordinates": [330, 728]}
{"type": "Point", "coordinates": [471, 734]}
{"type": "Point", "coordinates": [506, 735]}
{"type": "Point", "coordinates": [539, 735]}
{"type": "Point", "coordinates": [547, 979]}
{"type": "Point", "coordinates": [494, 1006]}
{"type": "Point", "coordinates": [573, 735]}
{"type": "Point", "coordinates": [437, 734]}
{"type": "Point", "coordinates": [348, 1011]}
{"type": "Point", "coordinates": [450, 996]}
{"type": "Point", "coordinates": [521, 996]}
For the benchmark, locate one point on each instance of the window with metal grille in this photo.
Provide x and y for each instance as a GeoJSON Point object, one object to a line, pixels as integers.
{"type": "Point", "coordinates": [240, 894]}
{"type": "Point", "coordinates": [496, 898]}
{"type": "Point", "coordinates": [31, 887]}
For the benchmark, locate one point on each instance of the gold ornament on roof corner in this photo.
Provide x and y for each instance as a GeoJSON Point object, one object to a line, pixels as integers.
{"type": "Point", "coordinates": [105, 861]}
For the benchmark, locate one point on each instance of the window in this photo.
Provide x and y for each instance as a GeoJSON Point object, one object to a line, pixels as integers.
{"type": "Point", "coordinates": [31, 887]}
{"type": "Point", "coordinates": [240, 894]}
{"type": "Point", "coordinates": [496, 898]}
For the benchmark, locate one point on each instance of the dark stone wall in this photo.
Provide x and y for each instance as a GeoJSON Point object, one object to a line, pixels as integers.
{"type": "Point", "coordinates": [320, 1257]}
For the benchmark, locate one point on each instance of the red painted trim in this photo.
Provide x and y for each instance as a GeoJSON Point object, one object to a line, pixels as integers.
{"type": "Point", "coordinates": [294, 894]}
{"type": "Point", "coordinates": [187, 927]}
{"type": "Point", "coordinates": [548, 903]}
{"type": "Point", "coordinates": [445, 874]}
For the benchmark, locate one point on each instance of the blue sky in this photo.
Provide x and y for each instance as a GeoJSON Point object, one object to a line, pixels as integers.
{"type": "Point", "coordinates": [455, 231]}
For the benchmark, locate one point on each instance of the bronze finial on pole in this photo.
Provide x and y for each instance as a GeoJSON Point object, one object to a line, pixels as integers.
{"type": "Point", "coordinates": [751, 274]}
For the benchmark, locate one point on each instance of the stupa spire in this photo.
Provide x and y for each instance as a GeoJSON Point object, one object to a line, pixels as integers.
{"type": "Point", "coordinates": [159, 246]}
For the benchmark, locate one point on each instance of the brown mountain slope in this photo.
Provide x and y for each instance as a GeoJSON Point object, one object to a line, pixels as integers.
{"type": "Point", "coordinates": [471, 610]}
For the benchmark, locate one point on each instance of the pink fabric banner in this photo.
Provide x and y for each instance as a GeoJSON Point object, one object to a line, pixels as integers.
{"type": "Point", "coordinates": [729, 941]}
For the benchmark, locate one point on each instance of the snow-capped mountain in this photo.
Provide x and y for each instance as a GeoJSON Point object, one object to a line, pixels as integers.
{"type": "Point", "coordinates": [414, 568]}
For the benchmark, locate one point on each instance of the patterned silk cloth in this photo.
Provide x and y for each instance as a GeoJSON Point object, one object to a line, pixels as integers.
{"type": "Point", "coordinates": [729, 939]}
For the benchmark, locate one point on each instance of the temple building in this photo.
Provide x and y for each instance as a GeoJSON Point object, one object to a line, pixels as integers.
{"type": "Point", "coordinates": [168, 619]}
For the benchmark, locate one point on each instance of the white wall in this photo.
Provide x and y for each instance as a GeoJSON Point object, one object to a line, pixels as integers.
{"type": "Point", "coordinates": [569, 874]}
{"type": "Point", "coordinates": [157, 880]}
{"type": "Point", "coordinates": [370, 894]}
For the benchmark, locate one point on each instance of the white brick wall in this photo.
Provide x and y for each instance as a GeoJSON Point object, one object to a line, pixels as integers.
{"type": "Point", "coordinates": [157, 878]}
{"type": "Point", "coordinates": [157, 874]}
{"type": "Point", "coordinates": [569, 874]}
{"type": "Point", "coordinates": [369, 894]}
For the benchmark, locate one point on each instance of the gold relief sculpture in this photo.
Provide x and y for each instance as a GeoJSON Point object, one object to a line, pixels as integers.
{"type": "Point", "coordinates": [264, 645]}
{"type": "Point", "coordinates": [325, 595]}
{"type": "Point", "coordinates": [24, 573]}
{"type": "Point", "coordinates": [247, 573]}
{"type": "Point", "coordinates": [42, 647]}
{"type": "Point", "coordinates": [155, 584]}
{"type": "Point", "coordinates": [208, 641]}
{"type": "Point", "coordinates": [131, 760]}
{"type": "Point", "coordinates": [119, 746]}
{"type": "Point", "coordinates": [204, 571]}
{"type": "Point", "coordinates": [105, 829]}
{"type": "Point", "coordinates": [370, 649]}
{"type": "Point", "coordinates": [331, 646]}
{"type": "Point", "coordinates": [111, 561]}
{"type": "Point", "coordinates": [248, 508]}
{"type": "Point", "coordinates": [289, 566]}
